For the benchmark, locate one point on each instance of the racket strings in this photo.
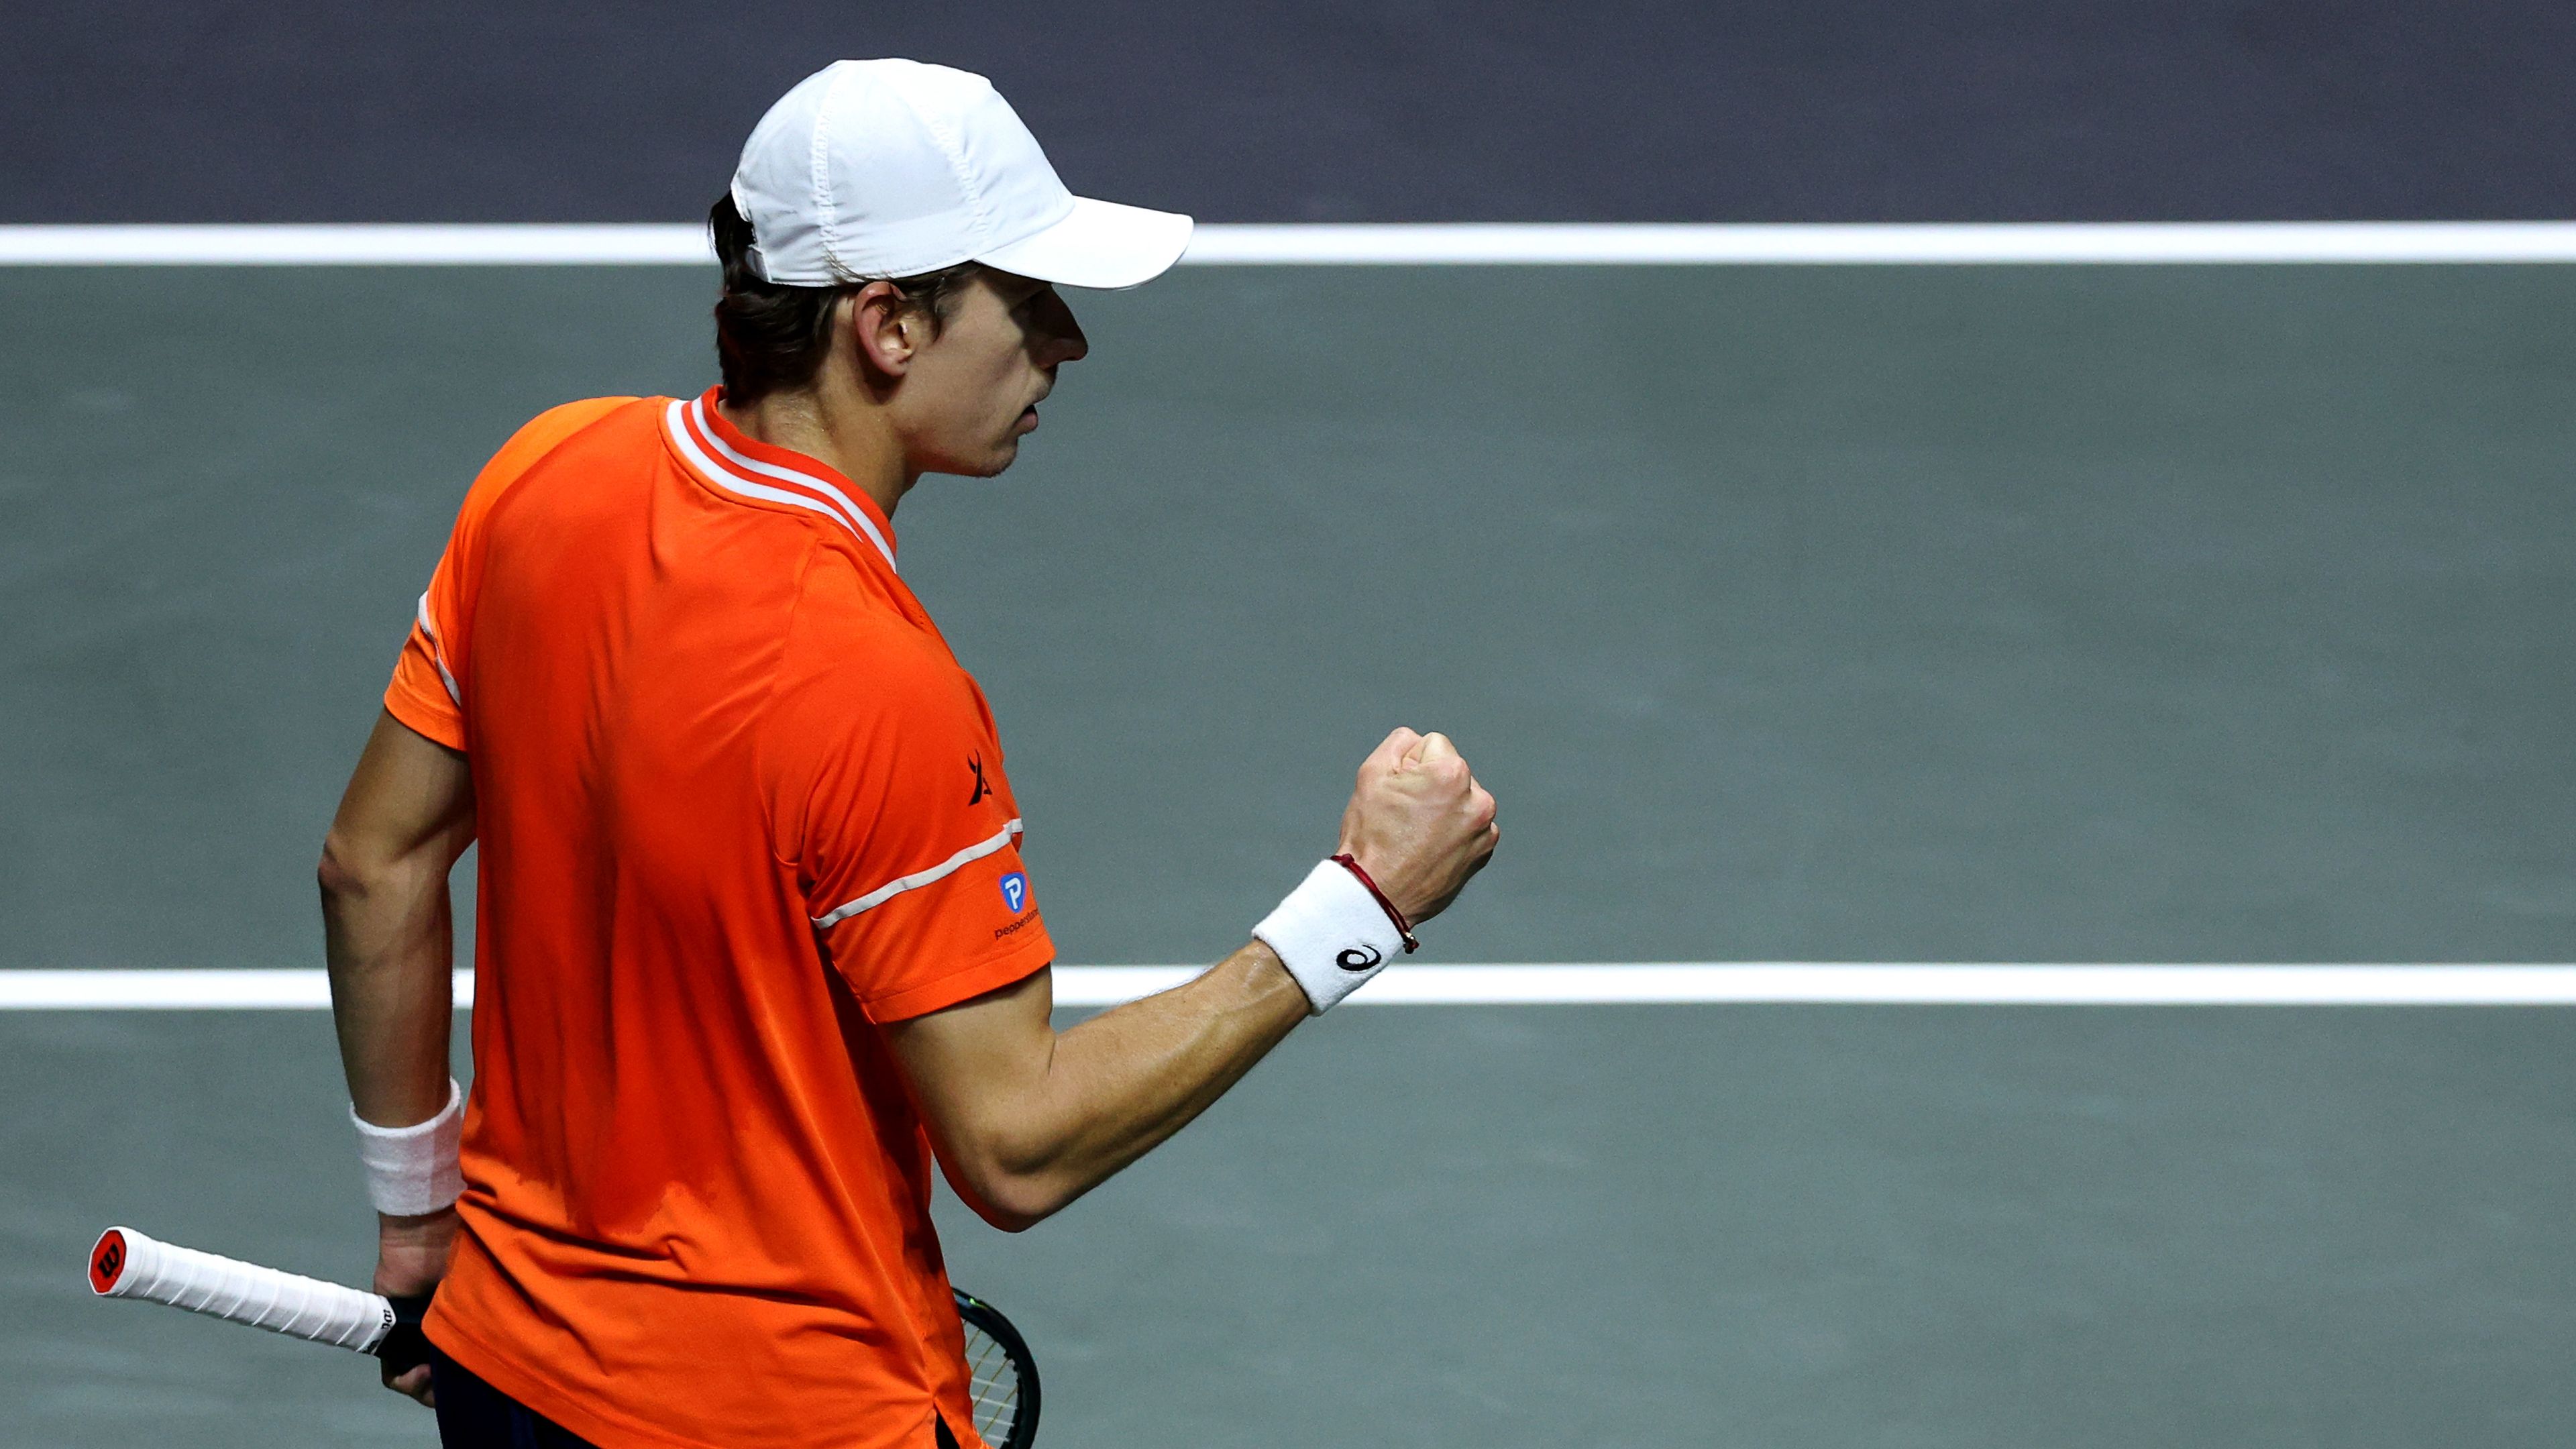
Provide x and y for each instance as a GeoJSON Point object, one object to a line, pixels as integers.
{"type": "Point", "coordinates": [993, 1383]}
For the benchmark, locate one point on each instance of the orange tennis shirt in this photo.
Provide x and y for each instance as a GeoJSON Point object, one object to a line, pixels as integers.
{"type": "Point", "coordinates": [737, 804]}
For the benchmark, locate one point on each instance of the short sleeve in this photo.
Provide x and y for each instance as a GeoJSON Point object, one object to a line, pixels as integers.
{"type": "Point", "coordinates": [908, 840]}
{"type": "Point", "coordinates": [426, 693]}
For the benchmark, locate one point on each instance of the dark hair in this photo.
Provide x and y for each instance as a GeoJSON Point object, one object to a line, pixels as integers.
{"type": "Point", "coordinates": [771, 337]}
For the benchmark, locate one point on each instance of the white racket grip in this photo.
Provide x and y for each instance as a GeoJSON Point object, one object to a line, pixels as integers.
{"type": "Point", "coordinates": [127, 1264]}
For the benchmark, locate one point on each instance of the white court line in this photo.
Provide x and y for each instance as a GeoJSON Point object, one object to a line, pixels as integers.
{"type": "Point", "coordinates": [1525, 244]}
{"type": "Point", "coordinates": [1605, 983]}
{"type": "Point", "coordinates": [1970, 244]}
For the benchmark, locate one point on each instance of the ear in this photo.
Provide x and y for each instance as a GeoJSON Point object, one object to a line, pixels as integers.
{"type": "Point", "coordinates": [886, 329]}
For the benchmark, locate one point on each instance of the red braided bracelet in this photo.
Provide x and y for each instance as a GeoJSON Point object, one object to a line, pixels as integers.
{"type": "Point", "coordinates": [1402, 927]}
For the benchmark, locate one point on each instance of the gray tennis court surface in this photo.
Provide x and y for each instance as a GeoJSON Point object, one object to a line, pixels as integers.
{"type": "Point", "coordinates": [1875, 614]}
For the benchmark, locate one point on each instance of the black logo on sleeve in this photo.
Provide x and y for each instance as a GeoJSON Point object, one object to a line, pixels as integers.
{"type": "Point", "coordinates": [1358, 958]}
{"type": "Point", "coordinates": [981, 789]}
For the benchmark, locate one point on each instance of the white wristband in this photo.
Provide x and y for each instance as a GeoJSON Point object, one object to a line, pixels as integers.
{"type": "Point", "coordinates": [412, 1170]}
{"type": "Point", "coordinates": [1331, 934]}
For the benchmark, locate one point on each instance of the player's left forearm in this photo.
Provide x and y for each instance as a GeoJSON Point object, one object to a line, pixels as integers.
{"type": "Point", "coordinates": [387, 924]}
{"type": "Point", "coordinates": [389, 945]}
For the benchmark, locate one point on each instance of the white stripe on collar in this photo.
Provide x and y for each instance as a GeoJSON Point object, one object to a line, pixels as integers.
{"type": "Point", "coordinates": [733, 471]}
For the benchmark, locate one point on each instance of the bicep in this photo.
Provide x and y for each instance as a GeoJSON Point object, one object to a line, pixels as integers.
{"type": "Point", "coordinates": [409, 797]}
{"type": "Point", "coordinates": [966, 1063]}
{"type": "Point", "coordinates": [978, 1072]}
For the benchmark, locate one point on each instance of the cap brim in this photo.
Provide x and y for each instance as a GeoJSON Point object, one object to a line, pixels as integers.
{"type": "Point", "coordinates": [1098, 244]}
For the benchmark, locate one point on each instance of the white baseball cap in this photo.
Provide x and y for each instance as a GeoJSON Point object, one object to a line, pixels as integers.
{"type": "Point", "coordinates": [892, 168]}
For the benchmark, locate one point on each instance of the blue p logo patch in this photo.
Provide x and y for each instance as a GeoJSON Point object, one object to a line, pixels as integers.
{"type": "Point", "coordinates": [1015, 890]}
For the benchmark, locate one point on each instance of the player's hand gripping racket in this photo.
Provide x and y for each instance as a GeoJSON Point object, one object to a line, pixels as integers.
{"type": "Point", "coordinates": [126, 1264]}
{"type": "Point", "coordinates": [1001, 1377]}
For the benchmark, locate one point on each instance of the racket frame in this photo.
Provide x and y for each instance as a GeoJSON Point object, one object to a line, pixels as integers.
{"type": "Point", "coordinates": [977, 1314]}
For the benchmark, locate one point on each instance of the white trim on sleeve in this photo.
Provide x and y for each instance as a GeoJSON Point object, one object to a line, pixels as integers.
{"type": "Point", "coordinates": [919, 878]}
{"type": "Point", "coordinates": [438, 653]}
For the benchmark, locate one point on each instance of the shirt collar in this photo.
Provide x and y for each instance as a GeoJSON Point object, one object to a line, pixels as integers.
{"type": "Point", "coordinates": [739, 464]}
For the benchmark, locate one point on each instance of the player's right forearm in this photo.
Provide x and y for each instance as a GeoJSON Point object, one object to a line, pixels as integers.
{"type": "Point", "coordinates": [1026, 1119]}
{"type": "Point", "coordinates": [1121, 1082]}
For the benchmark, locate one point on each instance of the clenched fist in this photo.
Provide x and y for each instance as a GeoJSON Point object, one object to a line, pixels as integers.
{"type": "Point", "coordinates": [1418, 822]}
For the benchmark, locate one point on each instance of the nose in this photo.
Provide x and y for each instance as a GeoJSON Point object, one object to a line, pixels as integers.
{"type": "Point", "coordinates": [1060, 338]}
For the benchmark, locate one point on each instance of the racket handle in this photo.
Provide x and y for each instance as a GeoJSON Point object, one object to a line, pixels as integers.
{"type": "Point", "coordinates": [127, 1264]}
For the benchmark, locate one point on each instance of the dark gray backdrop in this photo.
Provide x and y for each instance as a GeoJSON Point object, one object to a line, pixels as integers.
{"type": "Point", "coordinates": [1325, 110]}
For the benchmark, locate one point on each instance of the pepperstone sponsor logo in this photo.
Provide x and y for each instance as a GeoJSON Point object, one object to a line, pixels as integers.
{"type": "Point", "coordinates": [1015, 890]}
{"type": "Point", "coordinates": [1027, 918]}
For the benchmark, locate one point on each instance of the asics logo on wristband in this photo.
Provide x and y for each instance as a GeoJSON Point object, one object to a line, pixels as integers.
{"type": "Point", "coordinates": [1330, 933]}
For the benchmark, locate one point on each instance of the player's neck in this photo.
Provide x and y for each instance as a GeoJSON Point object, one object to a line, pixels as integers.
{"type": "Point", "coordinates": [858, 442]}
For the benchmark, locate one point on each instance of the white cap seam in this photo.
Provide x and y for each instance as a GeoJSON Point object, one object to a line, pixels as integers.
{"type": "Point", "coordinates": [827, 212]}
{"type": "Point", "coordinates": [954, 154]}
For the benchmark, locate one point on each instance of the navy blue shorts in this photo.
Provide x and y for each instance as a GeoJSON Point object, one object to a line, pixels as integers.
{"type": "Point", "coordinates": [474, 1415]}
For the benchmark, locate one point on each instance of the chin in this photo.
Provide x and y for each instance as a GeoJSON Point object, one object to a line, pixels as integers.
{"type": "Point", "coordinates": [999, 459]}
{"type": "Point", "coordinates": [985, 467]}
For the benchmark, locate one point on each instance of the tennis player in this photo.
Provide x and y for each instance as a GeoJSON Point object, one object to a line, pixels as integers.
{"type": "Point", "coordinates": [755, 943]}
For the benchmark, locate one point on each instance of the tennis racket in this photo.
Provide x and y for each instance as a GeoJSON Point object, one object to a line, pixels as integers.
{"type": "Point", "coordinates": [1001, 1377]}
